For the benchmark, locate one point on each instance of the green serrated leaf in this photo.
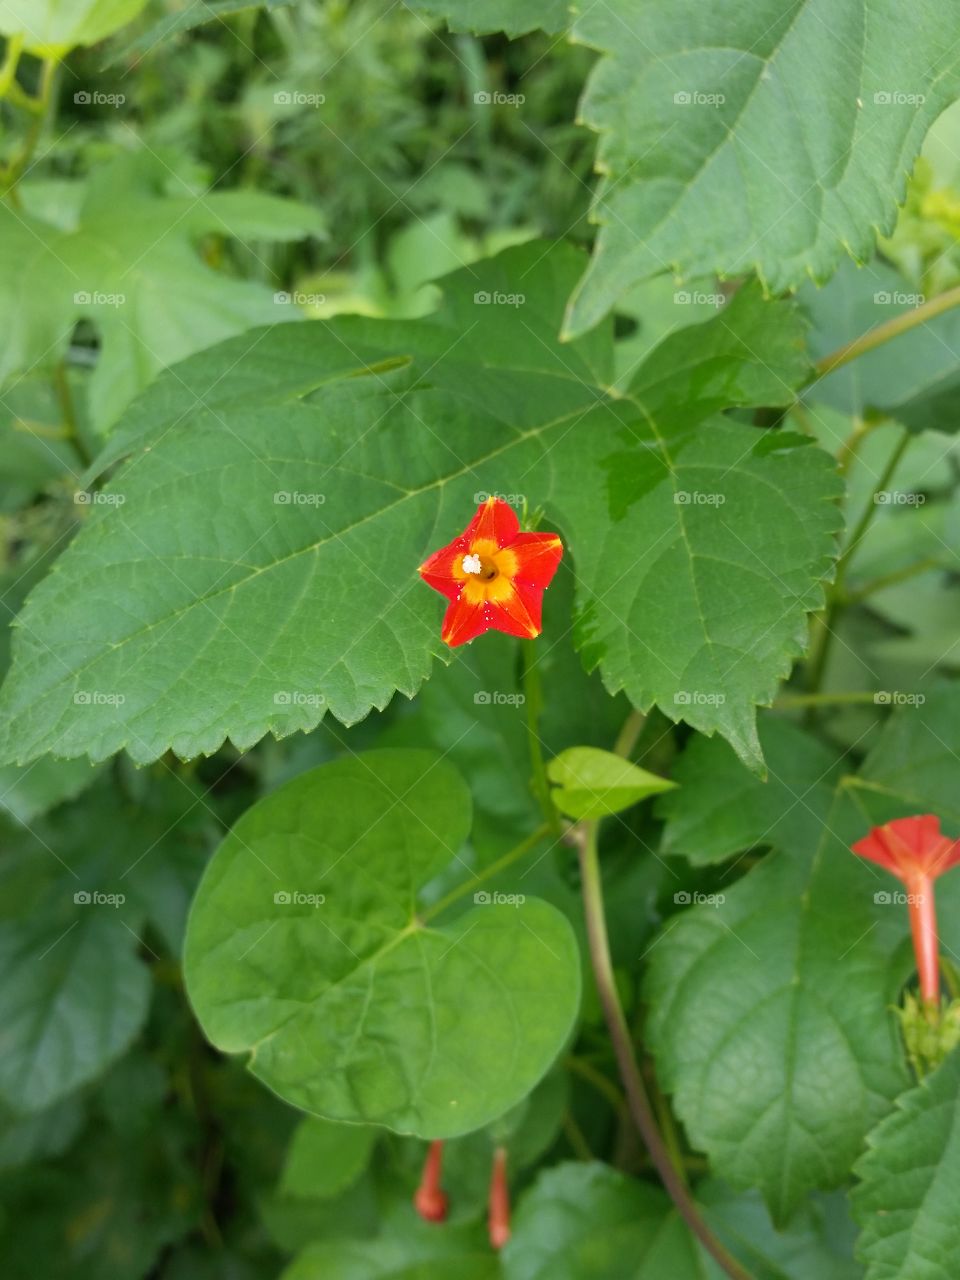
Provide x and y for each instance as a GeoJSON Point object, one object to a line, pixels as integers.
{"type": "Point", "coordinates": [590, 783]}
{"type": "Point", "coordinates": [330, 459]}
{"type": "Point", "coordinates": [194, 14]}
{"type": "Point", "coordinates": [307, 946]}
{"type": "Point", "coordinates": [709, 166]}
{"type": "Point", "coordinates": [770, 1012]}
{"type": "Point", "coordinates": [910, 1182]}
{"type": "Point", "coordinates": [721, 809]}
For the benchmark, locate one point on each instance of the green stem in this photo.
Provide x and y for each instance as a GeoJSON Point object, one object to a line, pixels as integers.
{"type": "Point", "coordinates": [40, 107]}
{"type": "Point", "coordinates": [820, 646]}
{"type": "Point", "coordinates": [637, 1099]}
{"type": "Point", "coordinates": [887, 331]}
{"type": "Point", "coordinates": [599, 1081]}
{"type": "Point", "coordinates": [71, 432]}
{"type": "Point", "coordinates": [533, 704]}
{"type": "Point", "coordinates": [628, 735]}
{"type": "Point", "coordinates": [891, 579]}
{"type": "Point", "coordinates": [483, 877]}
{"type": "Point", "coordinates": [788, 700]}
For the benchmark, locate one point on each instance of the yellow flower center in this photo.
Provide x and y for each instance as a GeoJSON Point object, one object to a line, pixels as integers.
{"type": "Point", "coordinates": [487, 571]}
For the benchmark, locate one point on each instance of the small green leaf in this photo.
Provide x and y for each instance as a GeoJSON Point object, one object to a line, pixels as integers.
{"type": "Point", "coordinates": [590, 783]}
{"type": "Point", "coordinates": [307, 945]}
{"type": "Point", "coordinates": [906, 1202]}
{"type": "Point", "coordinates": [325, 1158]}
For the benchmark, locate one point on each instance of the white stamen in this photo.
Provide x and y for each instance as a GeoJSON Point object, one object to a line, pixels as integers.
{"type": "Point", "coordinates": [471, 564]}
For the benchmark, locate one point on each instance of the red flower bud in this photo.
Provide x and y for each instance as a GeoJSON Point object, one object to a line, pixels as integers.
{"type": "Point", "coordinates": [430, 1201]}
{"type": "Point", "coordinates": [498, 1220]}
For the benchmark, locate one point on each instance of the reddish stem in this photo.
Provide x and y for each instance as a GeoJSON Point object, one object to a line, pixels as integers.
{"type": "Point", "coordinates": [923, 926]}
{"type": "Point", "coordinates": [430, 1200]}
{"type": "Point", "coordinates": [499, 1205]}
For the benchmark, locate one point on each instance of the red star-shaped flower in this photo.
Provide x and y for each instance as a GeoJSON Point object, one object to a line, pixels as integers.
{"type": "Point", "coordinates": [493, 575]}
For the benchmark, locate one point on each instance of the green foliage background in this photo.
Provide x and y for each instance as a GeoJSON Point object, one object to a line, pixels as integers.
{"type": "Point", "coordinates": [289, 889]}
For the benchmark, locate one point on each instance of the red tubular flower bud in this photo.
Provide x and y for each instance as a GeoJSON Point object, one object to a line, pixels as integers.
{"type": "Point", "coordinates": [498, 1220]}
{"type": "Point", "coordinates": [430, 1201]}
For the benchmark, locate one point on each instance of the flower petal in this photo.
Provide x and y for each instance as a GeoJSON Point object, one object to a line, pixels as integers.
{"type": "Point", "coordinates": [464, 621]}
{"type": "Point", "coordinates": [495, 520]}
{"type": "Point", "coordinates": [517, 612]}
{"type": "Point", "coordinates": [537, 557]}
{"type": "Point", "coordinates": [442, 570]}
{"type": "Point", "coordinates": [906, 846]}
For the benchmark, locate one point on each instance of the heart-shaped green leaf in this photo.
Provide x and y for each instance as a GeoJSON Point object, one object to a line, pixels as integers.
{"type": "Point", "coordinates": [308, 946]}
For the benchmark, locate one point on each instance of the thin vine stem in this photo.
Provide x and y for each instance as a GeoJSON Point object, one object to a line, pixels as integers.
{"type": "Point", "coordinates": [533, 705]}
{"type": "Point", "coordinates": [637, 1098]}
{"type": "Point", "coordinates": [820, 648]}
{"type": "Point", "coordinates": [885, 332]}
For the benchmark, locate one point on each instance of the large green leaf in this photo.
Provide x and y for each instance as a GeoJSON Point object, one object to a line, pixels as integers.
{"type": "Point", "coordinates": [306, 497]}
{"type": "Point", "coordinates": [906, 1202]}
{"type": "Point", "coordinates": [774, 136]}
{"type": "Point", "coordinates": [770, 1012]}
{"type": "Point", "coordinates": [307, 945]}
{"type": "Point", "coordinates": [51, 27]}
{"type": "Point", "coordinates": [75, 991]}
{"type": "Point", "coordinates": [130, 266]}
